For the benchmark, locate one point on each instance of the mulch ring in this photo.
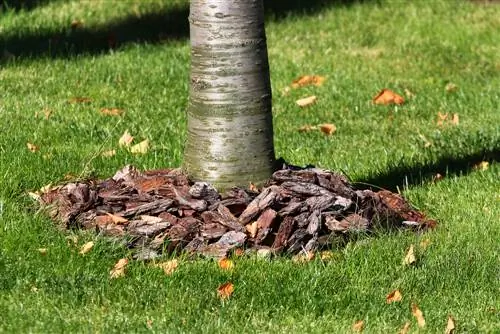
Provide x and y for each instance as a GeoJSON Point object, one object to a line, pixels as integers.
{"type": "Point", "coordinates": [162, 211]}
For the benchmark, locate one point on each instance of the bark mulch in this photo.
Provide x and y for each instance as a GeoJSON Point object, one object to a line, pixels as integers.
{"type": "Point", "coordinates": [158, 211]}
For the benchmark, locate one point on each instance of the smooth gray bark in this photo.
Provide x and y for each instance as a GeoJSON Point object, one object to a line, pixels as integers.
{"type": "Point", "coordinates": [230, 131]}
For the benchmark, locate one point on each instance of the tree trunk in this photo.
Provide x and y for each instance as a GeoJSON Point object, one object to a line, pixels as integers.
{"type": "Point", "coordinates": [230, 131]}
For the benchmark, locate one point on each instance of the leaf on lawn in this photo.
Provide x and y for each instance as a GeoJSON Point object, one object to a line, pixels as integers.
{"type": "Point", "coordinates": [108, 154]}
{"type": "Point", "coordinates": [303, 258]}
{"type": "Point", "coordinates": [252, 229]}
{"type": "Point", "coordinates": [327, 129]}
{"type": "Point", "coordinates": [409, 94]}
{"type": "Point", "coordinates": [307, 101]}
{"type": "Point", "coordinates": [80, 100]}
{"type": "Point", "coordinates": [406, 328]}
{"type": "Point", "coordinates": [126, 139]}
{"type": "Point", "coordinates": [327, 255]}
{"type": "Point", "coordinates": [307, 128]}
{"type": "Point", "coordinates": [141, 148]}
{"type": "Point", "coordinates": [409, 257]}
{"type": "Point", "coordinates": [168, 267]}
{"type": "Point", "coordinates": [86, 247]}
{"type": "Point", "coordinates": [149, 324]}
{"type": "Point", "coordinates": [437, 177]}
{"type": "Point", "coordinates": [307, 80]}
{"type": "Point", "coordinates": [417, 313]}
{"type": "Point", "coordinates": [46, 113]}
{"type": "Point", "coordinates": [450, 325]}
{"type": "Point", "coordinates": [358, 326]}
{"type": "Point", "coordinates": [425, 243]}
{"type": "Point", "coordinates": [116, 219]}
{"type": "Point", "coordinates": [444, 119]}
{"type": "Point", "coordinates": [111, 111]}
{"type": "Point", "coordinates": [226, 264]}
{"type": "Point", "coordinates": [451, 87]}
{"type": "Point", "coordinates": [119, 269]}
{"type": "Point", "coordinates": [32, 147]}
{"type": "Point", "coordinates": [34, 289]}
{"type": "Point", "coordinates": [225, 290]}
{"type": "Point", "coordinates": [454, 119]}
{"type": "Point", "coordinates": [42, 251]}
{"type": "Point", "coordinates": [394, 296]}
{"type": "Point", "coordinates": [483, 165]}
{"type": "Point", "coordinates": [387, 96]}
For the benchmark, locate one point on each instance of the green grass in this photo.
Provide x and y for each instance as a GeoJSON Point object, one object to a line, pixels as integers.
{"type": "Point", "coordinates": [361, 48]}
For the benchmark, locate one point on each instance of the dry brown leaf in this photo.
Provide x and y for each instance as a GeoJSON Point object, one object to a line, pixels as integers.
{"type": "Point", "coordinates": [307, 80]}
{"type": "Point", "coordinates": [108, 154]}
{"type": "Point", "coordinates": [327, 129]}
{"type": "Point", "coordinates": [307, 128]}
{"type": "Point", "coordinates": [168, 267]}
{"type": "Point", "coordinates": [483, 165]}
{"type": "Point", "coordinates": [86, 247]}
{"type": "Point", "coordinates": [417, 313]}
{"type": "Point", "coordinates": [406, 328]}
{"type": "Point", "coordinates": [117, 219]}
{"type": "Point", "coordinates": [394, 296]}
{"type": "Point", "coordinates": [451, 87]}
{"type": "Point", "coordinates": [454, 119]}
{"type": "Point", "coordinates": [119, 268]}
{"type": "Point", "coordinates": [425, 243]}
{"type": "Point", "coordinates": [225, 290]}
{"type": "Point", "coordinates": [252, 229]}
{"type": "Point", "coordinates": [307, 101]}
{"type": "Point", "coordinates": [450, 326]}
{"type": "Point", "coordinates": [42, 251]}
{"type": "Point", "coordinates": [141, 148]}
{"type": "Point", "coordinates": [80, 100]}
{"type": "Point", "coordinates": [253, 187]}
{"type": "Point", "coordinates": [32, 147]}
{"type": "Point", "coordinates": [358, 326]}
{"type": "Point", "coordinates": [410, 256]}
{"type": "Point", "coordinates": [327, 255]}
{"type": "Point", "coordinates": [226, 264]}
{"type": "Point", "coordinates": [303, 258]}
{"type": "Point", "coordinates": [126, 139]}
{"type": "Point", "coordinates": [112, 111]}
{"type": "Point", "coordinates": [387, 96]}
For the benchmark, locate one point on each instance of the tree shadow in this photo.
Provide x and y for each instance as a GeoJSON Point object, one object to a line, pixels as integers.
{"type": "Point", "coordinates": [399, 177]}
{"type": "Point", "coordinates": [155, 28]}
{"type": "Point", "coordinates": [17, 5]}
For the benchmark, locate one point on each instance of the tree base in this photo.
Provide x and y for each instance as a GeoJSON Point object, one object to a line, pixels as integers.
{"type": "Point", "coordinates": [161, 211]}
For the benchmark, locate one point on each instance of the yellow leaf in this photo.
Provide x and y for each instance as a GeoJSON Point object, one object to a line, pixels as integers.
{"type": "Point", "coordinates": [387, 96]}
{"type": "Point", "coordinates": [108, 154]}
{"type": "Point", "coordinates": [140, 148]}
{"type": "Point", "coordinates": [454, 119]}
{"type": "Point", "coordinates": [168, 267]}
{"type": "Point", "coordinates": [410, 256]}
{"type": "Point", "coordinates": [358, 326]}
{"type": "Point", "coordinates": [307, 101]}
{"type": "Point", "coordinates": [483, 165]}
{"type": "Point", "coordinates": [87, 247]}
{"type": "Point", "coordinates": [451, 87]}
{"type": "Point", "coordinates": [32, 147]}
{"type": "Point", "coordinates": [126, 139]}
{"type": "Point", "coordinates": [307, 80]}
{"type": "Point", "coordinates": [119, 269]}
{"type": "Point", "coordinates": [394, 296]}
{"type": "Point", "coordinates": [226, 264]}
{"type": "Point", "coordinates": [417, 313]}
{"type": "Point", "coordinates": [117, 219]}
{"type": "Point", "coordinates": [42, 251]}
{"type": "Point", "coordinates": [327, 129]}
{"type": "Point", "coordinates": [406, 328]}
{"type": "Point", "coordinates": [450, 325]}
{"type": "Point", "coordinates": [111, 111]}
{"type": "Point", "coordinates": [225, 290]}
{"type": "Point", "coordinates": [327, 255]}
{"type": "Point", "coordinates": [303, 258]}
{"type": "Point", "coordinates": [252, 229]}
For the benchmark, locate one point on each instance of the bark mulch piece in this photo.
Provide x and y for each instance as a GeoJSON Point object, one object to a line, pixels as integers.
{"type": "Point", "coordinates": [297, 210]}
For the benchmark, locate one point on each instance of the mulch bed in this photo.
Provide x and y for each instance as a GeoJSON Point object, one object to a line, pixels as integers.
{"type": "Point", "coordinates": [162, 211]}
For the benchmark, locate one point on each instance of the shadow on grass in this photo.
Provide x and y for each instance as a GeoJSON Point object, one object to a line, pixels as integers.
{"type": "Point", "coordinates": [171, 24]}
{"type": "Point", "coordinates": [402, 176]}
{"type": "Point", "coordinates": [21, 4]}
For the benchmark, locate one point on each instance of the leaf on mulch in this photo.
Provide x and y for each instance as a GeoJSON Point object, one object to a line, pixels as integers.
{"type": "Point", "coordinates": [409, 258]}
{"type": "Point", "coordinates": [111, 111]}
{"type": "Point", "coordinates": [406, 328]}
{"type": "Point", "coordinates": [387, 96]}
{"type": "Point", "coordinates": [32, 147]}
{"type": "Point", "coordinates": [307, 101]}
{"type": "Point", "coordinates": [116, 219]}
{"type": "Point", "coordinates": [225, 290]}
{"type": "Point", "coordinates": [358, 326]}
{"type": "Point", "coordinates": [119, 269]}
{"type": "Point", "coordinates": [168, 266]}
{"type": "Point", "coordinates": [226, 264]}
{"type": "Point", "coordinates": [86, 247]}
{"type": "Point", "coordinates": [417, 313]}
{"type": "Point", "coordinates": [394, 296]}
{"type": "Point", "coordinates": [307, 80]}
{"type": "Point", "coordinates": [126, 139]}
{"type": "Point", "coordinates": [450, 326]}
{"type": "Point", "coordinates": [141, 148]}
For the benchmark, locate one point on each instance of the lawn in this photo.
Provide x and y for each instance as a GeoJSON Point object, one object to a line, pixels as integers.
{"type": "Point", "coordinates": [442, 56]}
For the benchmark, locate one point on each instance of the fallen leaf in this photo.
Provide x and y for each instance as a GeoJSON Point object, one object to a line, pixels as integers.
{"type": "Point", "coordinates": [252, 229]}
{"type": "Point", "coordinates": [327, 129]}
{"type": "Point", "coordinates": [303, 258]}
{"type": "Point", "coordinates": [358, 326]}
{"type": "Point", "coordinates": [42, 251]}
{"type": "Point", "coordinates": [108, 154]}
{"type": "Point", "coordinates": [454, 119]}
{"type": "Point", "coordinates": [327, 255]}
{"type": "Point", "coordinates": [437, 177]}
{"type": "Point", "coordinates": [253, 187]}
{"type": "Point", "coordinates": [307, 128]}
{"type": "Point", "coordinates": [33, 148]}
{"type": "Point", "coordinates": [126, 139]}
{"type": "Point", "coordinates": [451, 87]}
{"type": "Point", "coordinates": [226, 264]}
{"type": "Point", "coordinates": [119, 269]}
{"type": "Point", "coordinates": [307, 80]}
{"type": "Point", "coordinates": [425, 243]}
{"type": "Point", "coordinates": [409, 94]}
{"type": "Point", "coordinates": [417, 313]}
{"type": "Point", "coordinates": [149, 324]}
{"type": "Point", "coordinates": [76, 24]}
{"type": "Point", "coordinates": [307, 101]}
{"type": "Point", "coordinates": [34, 289]}
{"type": "Point", "coordinates": [483, 165]}
{"type": "Point", "coordinates": [80, 100]}
{"type": "Point", "coordinates": [450, 325]}
{"type": "Point", "coordinates": [141, 148]}
{"type": "Point", "coordinates": [225, 290]}
{"type": "Point", "coordinates": [168, 267]}
{"type": "Point", "coordinates": [112, 111]}
{"type": "Point", "coordinates": [386, 96]}
{"type": "Point", "coordinates": [410, 256]}
{"type": "Point", "coordinates": [406, 328]}
{"type": "Point", "coordinates": [238, 252]}
{"type": "Point", "coordinates": [443, 119]}
{"type": "Point", "coordinates": [394, 296]}
{"type": "Point", "coordinates": [86, 247]}
{"type": "Point", "coordinates": [117, 219]}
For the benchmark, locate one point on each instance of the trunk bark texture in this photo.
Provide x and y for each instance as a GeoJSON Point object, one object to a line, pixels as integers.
{"type": "Point", "coordinates": [230, 131]}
